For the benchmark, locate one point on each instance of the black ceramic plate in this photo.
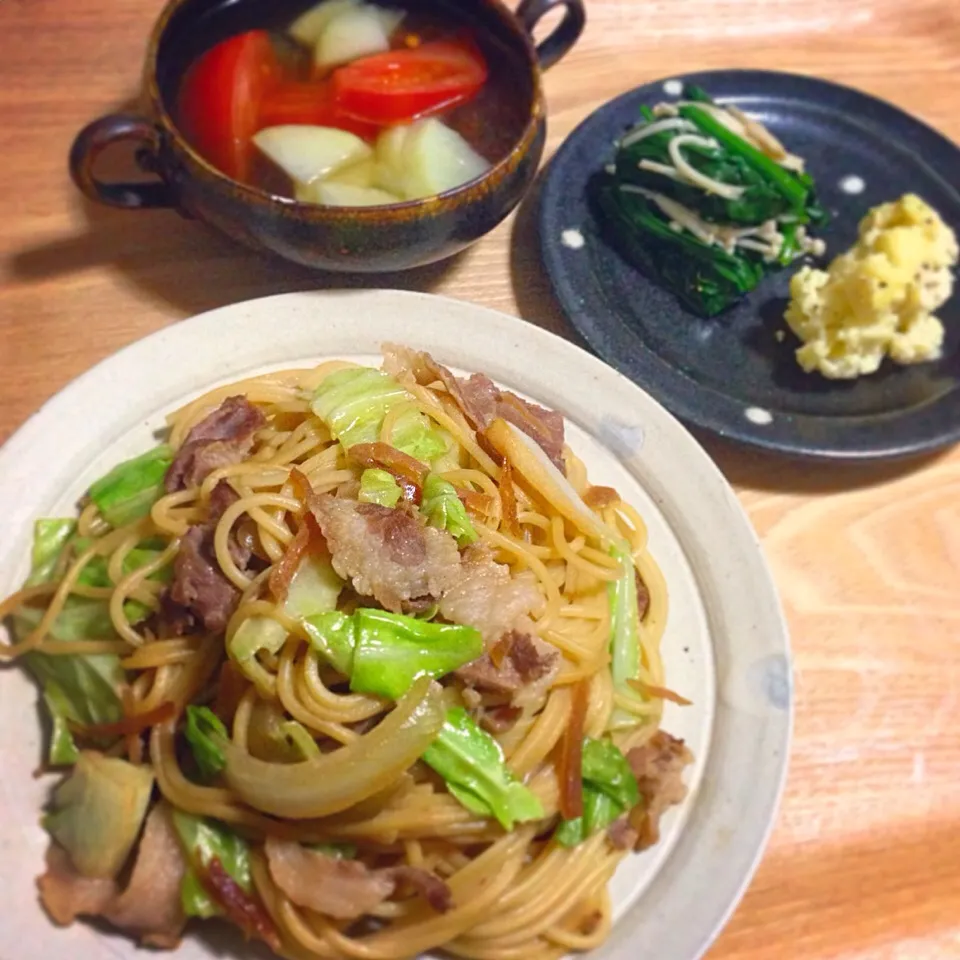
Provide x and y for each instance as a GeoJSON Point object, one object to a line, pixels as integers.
{"type": "Point", "coordinates": [731, 374]}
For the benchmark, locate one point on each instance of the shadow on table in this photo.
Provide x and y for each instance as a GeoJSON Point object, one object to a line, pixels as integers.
{"type": "Point", "coordinates": [531, 286]}
{"type": "Point", "coordinates": [762, 470]}
{"type": "Point", "coordinates": [183, 262]}
{"type": "Point", "coordinates": [188, 265]}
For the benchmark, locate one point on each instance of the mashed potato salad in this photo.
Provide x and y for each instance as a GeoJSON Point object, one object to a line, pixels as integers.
{"type": "Point", "coordinates": [877, 299]}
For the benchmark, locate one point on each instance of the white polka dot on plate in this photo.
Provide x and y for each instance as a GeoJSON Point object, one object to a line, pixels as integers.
{"type": "Point", "coordinates": [758, 416]}
{"type": "Point", "coordinates": [673, 88]}
{"type": "Point", "coordinates": [852, 184]}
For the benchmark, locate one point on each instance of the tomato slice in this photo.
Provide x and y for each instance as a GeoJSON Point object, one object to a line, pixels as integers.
{"type": "Point", "coordinates": [401, 85]}
{"type": "Point", "coordinates": [220, 99]}
{"type": "Point", "coordinates": [298, 102]}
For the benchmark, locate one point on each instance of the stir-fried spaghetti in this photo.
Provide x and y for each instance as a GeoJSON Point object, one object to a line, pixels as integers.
{"type": "Point", "coordinates": [385, 662]}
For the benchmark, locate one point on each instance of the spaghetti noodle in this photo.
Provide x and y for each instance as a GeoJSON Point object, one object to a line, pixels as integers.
{"type": "Point", "coordinates": [218, 607]}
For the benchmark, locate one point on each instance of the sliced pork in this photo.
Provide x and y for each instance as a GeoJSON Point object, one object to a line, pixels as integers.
{"type": "Point", "coordinates": [222, 497]}
{"type": "Point", "coordinates": [621, 835]}
{"type": "Point", "coordinates": [344, 889]}
{"type": "Point", "coordinates": [222, 438]}
{"type": "Point", "coordinates": [500, 719]}
{"type": "Point", "coordinates": [481, 401]}
{"type": "Point", "coordinates": [387, 553]}
{"type": "Point", "coordinates": [199, 592]}
{"type": "Point", "coordinates": [66, 895]}
{"type": "Point", "coordinates": [150, 905]}
{"type": "Point", "coordinates": [658, 766]}
{"type": "Point", "coordinates": [487, 597]}
{"type": "Point", "coordinates": [522, 672]}
{"type": "Point", "coordinates": [426, 884]}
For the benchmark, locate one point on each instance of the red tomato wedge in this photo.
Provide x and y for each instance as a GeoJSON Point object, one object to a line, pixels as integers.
{"type": "Point", "coordinates": [297, 102]}
{"type": "Point", "coordinates": [401, 85]}
{"type": "Point", "coordinates": [220, 99]}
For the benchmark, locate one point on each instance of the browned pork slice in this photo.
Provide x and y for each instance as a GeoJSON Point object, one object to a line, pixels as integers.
{"type": "Point", "coordinates": [426, 884]}
{"type": "Point", "coordinates": [658, 766]}
{"type": "Point", "coordinates": [66, 895]}
{"type": "Point", "coordinates": [199, 592]}
{"type": "Point", "coordinates": [487, 597]}
{"type": "Point", "coordinates": [500, 719]}
{"type": "Point", "coordinates": [522, 667]}
{"type": "Point", "coordinates": [621, 835]}
{"type": "Point", "coordinates": [150, 906]}
{"type": "Point", "coordinates": [412, 366]}
{"type": "Point", "coordinates": [388, 554]}
{"type": "Point", "coordinates": [220, 439]}
{"type": "Point", "coordinates": [344, 889]}
{"type": "Point", "coordinates": [222, 498]}
{"type": "Point", "coordinates": [481, 401]}
{"type": "Point", "coordinates": [240, 543]}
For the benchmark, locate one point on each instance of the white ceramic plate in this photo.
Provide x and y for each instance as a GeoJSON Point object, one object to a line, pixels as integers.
{"type": "Point", "coordinates": [726, 645]}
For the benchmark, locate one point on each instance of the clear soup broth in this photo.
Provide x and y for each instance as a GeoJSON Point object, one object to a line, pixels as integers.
{"type": "Point", "coordinates": [346, 102]}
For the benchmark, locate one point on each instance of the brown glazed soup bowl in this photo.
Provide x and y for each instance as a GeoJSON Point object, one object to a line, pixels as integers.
{"type": "Point", "coordinates": [511, 135]}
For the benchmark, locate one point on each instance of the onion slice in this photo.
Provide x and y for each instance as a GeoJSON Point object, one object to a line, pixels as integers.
{"type": "Point", "coordinates": [544, 479]}
{"type": "Point", "coordinates": [336, 781]}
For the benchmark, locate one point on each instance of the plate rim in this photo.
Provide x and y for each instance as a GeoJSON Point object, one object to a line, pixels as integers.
{"type": "Point", "coordinates": [689, 411]}
{"type": "Point", "coordinates": [771, 715]}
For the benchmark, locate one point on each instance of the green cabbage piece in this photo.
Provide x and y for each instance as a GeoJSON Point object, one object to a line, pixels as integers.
{"type": "Point", "coordinates": [384, 653]}
{"type": "Point", "coordinates": [76, 688]}
{"type": "Point", "coordinates": [624, 634]}
{"type": "Point", "coordinates": [443, 509]}
{"type": "Point", "coordinates": [203, 841]}
{"type": "Point", "coordinates": [131, 488]}
{"type": "Point", "coordinates": [471, 762]}
{"type": "Point", "coordinates": [379, 486]}
{"type": "Point", "coordinates": [353, 403]}
{"type": "Point", "coordinates": [205, 732]}
{"type": "Point", "coordinates": [609, 789]}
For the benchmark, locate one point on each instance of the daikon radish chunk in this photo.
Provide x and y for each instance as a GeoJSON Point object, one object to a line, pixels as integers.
{"type": "Point", "coordinates": [331, 194]}
{"type": "Point", "coordinates": [353, 33]}
{"type": "Point", "coordinates": [362, 174]}
{"type": "Point", "coordinates": [307, 153]}
{"type": "Point", "coordinates": [389, 154]}
{"type": "Point", "coordinates": [308, 27]}
{"type": "Point", "coordinates": [436, 158]}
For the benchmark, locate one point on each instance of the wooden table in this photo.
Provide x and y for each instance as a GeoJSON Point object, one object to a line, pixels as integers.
{"type": "Point", "coordinates": [865, 861]}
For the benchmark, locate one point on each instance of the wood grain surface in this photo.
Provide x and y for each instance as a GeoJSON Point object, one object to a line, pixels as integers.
{"type": "Point", "coordinates": [865, 861]}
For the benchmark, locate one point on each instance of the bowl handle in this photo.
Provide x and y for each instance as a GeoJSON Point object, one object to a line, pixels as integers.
{"type": "Point", "coordinates": [568, 31]}
{"type": "Point", "coordinates": [93, 139]}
